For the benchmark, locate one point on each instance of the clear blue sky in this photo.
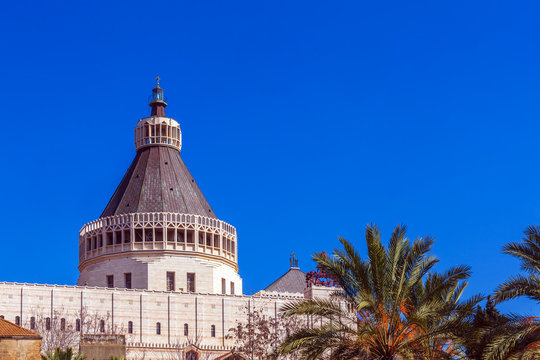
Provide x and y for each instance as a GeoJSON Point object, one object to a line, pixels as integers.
{"type": "Point", "coordinates": [302, 121]}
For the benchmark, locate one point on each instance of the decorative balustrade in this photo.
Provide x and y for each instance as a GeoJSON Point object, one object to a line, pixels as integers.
{"type": "Point", "coordinates": [157, 231]}
{"type": "Point", "coordinates": [139, 345]}
{"type": "Point", "coordinates": [158, 131]}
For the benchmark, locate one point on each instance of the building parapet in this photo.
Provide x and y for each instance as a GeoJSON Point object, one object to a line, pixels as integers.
{"type": "Point", "coordinates": [139, 345]}
{"type": "Point", "coordinates": [273, 295]}
{"type": "Point", "coordinates": [316, 291]}
{"type": "Point", "coordinates": [184, 233]}
{"type": "Point", "coordinates": [264, 293]}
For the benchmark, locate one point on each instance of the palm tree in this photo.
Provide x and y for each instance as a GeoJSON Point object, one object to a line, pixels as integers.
{"type": "Point", "coordinates": [479, 332]}
{"type": "Point", "coordinates": [60, 354]}
{"type": "Point", "coordinates": [494, 336]}
{"type": "Point", "coordinates": [518, 337]}
{"type": "Point", "coordinates": [528, 252]}
{"type": "Point", "coordinates": [396, 306]}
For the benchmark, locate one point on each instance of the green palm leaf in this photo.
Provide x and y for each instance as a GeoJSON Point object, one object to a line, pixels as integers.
{"type": "Point", "coordinates": [401, 308]}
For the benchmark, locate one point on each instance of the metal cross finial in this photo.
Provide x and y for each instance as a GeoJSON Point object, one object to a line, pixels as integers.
{"type": "Point", "coordinates": [293, 260]}
{"type": "Point", "coordinates": [157, 80]}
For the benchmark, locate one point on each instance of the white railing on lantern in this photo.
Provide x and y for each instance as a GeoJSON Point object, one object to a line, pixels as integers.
{"type": "Point", "coordinates": [157, 231]}
{"type": "Point", "coordinates": [164, 133]}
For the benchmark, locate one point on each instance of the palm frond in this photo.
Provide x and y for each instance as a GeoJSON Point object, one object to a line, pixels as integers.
{"type": "Point", "coordinates": [517, 286]}
{"type": "Point", "coordinates": [520, 336]}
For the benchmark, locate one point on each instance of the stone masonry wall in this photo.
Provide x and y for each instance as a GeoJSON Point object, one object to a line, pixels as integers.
{"type": "Point", "coordinates": [16, 349]}
{"type": "Point", "coordinates": [144, 308]}
{"type": "Point", "coordinates": [149, 272]}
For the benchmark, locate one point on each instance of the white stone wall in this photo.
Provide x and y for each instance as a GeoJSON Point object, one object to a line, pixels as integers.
{"type": "Point", "coordinates": [208, 274]}
{"type": "Point", "coordinates": [150, 272]}
{"type": "Point", "coordinates": [96, 274]}
{"type": "Point", "coordinates": [144, 308]}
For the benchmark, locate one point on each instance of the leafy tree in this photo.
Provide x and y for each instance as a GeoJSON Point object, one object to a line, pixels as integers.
{"type": "Point", "coordinates": [528, 252]}
{"type": "Point", "coordinates": [390, 306]}
{"type": "Point", "coordinates": [60, 354]}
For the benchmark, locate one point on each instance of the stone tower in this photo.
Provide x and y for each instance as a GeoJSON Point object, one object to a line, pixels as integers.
{"type": "Point", "coordinates": [158, 232]}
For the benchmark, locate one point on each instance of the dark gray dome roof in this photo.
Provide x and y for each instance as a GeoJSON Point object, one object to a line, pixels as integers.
{"type": "Point", "coordinates": [158, 181]}
{"type": "Point", "coordinates": [293, 281]}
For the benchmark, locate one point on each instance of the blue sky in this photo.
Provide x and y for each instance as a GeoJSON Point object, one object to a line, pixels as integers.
{"type": "Point", "coordinates": [302, 121]}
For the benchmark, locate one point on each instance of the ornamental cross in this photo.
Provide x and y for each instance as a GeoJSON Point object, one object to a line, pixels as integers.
{"type": "Point", "coordinates": [293, 260]}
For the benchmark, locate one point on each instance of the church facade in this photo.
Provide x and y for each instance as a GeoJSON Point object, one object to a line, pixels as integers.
{"type": "Point", "coordinates": [158, 266]}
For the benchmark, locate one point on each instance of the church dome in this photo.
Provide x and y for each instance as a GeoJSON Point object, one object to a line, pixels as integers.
{"type": "Point", "coordinates": [158, 221]}
{"type": "Point", "coordinates": [158, 181]}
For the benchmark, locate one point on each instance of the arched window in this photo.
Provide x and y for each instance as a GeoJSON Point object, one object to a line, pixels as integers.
{"type": "Point", "coordinates": [213, 331]}
{"type": "Point", "coordinates": [17, 320]}
{"type": "Point", "coordinates": [130, 327]}
{"type": "Point", "coordinates": [62, 324]}
{"type": "Point", "coordinates": [186, 330]}
{"type": "Point", "coordinates": [78, 325]}
{"type": "Point", "coordinates": [102, 326]}
{"type": "Point", "coordinates": [158, 328]}
{"type": "Point", "coordinates": [32, 323]}
{"type": "Point", "coordinates": [48, 323]}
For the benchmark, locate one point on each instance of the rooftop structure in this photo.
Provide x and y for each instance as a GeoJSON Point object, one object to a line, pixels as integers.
{"type": "Point", "coordinates": [17, 342]}
{"type": "Point", "coordinates": [293, 281]}
{"type": "Point", "coordinates": [158, 269]}
{"type": "Point", "coordinates": [158, 232]}
{"type": "Point", "coordinates": [11, 330]}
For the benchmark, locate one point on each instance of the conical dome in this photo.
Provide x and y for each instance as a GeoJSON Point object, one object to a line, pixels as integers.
{"type": "Point", "coordinates": [158, 230]}
{"type": "Point", "coordinates": [158, 181]}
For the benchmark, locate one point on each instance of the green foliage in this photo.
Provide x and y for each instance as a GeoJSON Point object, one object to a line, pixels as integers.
{"type": "Point", "coordinates": [60, 354]}
{"type": "Point", "coordinates": [528, 252]}
{"type": "Point", "coordinates": [517, 338]}
{"type": "Point", "coordinates": [492, 336]}
{"type": "Point", "coordinates": [479, 333]}
{"type": "Point", "coordinates": [116, 358]}
{"type": "Point", "coordinates": [513, 336]}
{"type": "Point", "coordinates": [396, 306]}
